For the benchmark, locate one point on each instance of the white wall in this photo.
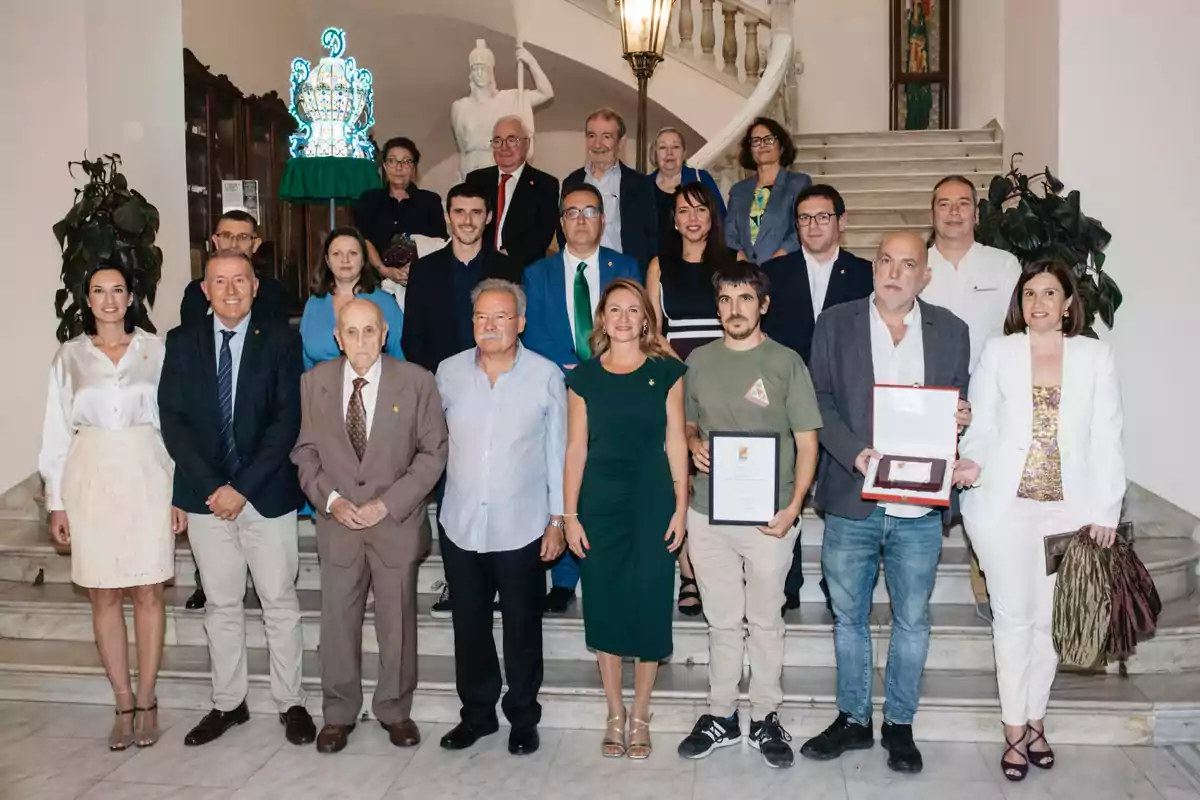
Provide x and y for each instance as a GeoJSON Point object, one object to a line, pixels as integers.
{"type": "Point", "coordinates": [253, 43]}
{"type": "Point", "coordinates": [843, 46]}
{"type": "Point", "coordinates": [978, 62]}
{"type": "Point", "coordinates": [1031, 82]}
{"type": "Point", "coordinates": [1128, 118]}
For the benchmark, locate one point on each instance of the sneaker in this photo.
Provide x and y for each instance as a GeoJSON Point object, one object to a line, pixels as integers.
{"type": "Point", "coordinates": [903, 755]}
{"type": "Point", "coordinates": [709, 734]}
{"type": "Point", "coordinates": [844, 734]}
{"type": "Point", "coordinates": [769, 738]}
{"type": "Point", "coordinates": [558, 600]}
{"type": "Point", "coordinates": [442, 608]}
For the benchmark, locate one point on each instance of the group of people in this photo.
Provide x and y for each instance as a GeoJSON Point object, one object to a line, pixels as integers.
{"type": "Point", "coordinates": [559, 407]}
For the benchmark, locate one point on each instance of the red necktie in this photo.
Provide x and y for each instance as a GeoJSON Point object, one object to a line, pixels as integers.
{"type": "Point", "coordinates": [504, 178]}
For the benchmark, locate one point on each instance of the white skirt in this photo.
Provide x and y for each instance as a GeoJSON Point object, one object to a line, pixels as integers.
{"type": "Point", "coordinates": [117, 494]}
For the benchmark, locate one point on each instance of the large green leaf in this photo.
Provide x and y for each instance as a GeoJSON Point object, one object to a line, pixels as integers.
{"type": "Point", "coordinates": [1053, 184]}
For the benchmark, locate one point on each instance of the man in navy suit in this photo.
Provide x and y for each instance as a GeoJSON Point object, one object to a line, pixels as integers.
{"type": "Point", "coordinates": [229, 400]}
{"type": "Point", "coordinates": [632, 213]}
{"type": "Point", "coordinates": [562, 292]}
{"type": "Point", "coordinates": [818, 276]}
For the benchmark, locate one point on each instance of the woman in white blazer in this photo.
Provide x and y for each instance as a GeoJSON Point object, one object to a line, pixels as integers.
{"type": "Point", "coordinates": [1042, 456]}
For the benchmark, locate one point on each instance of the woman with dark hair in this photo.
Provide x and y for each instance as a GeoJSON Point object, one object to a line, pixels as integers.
{"type": "Point", "coordinates": [1043, 453]}
{"type": "Point", "coordinates": [668, 155]}
{"type": "Point", "coordinates": [760, 225]}
{"type": "Point", "coordinates": [625, 495]}
{"type": "Point", "coordinates": [108, 488]}
{"type": "Point", "coordinates": [343, 276]}
{"type": "Point", "coordinates": [400, 208]}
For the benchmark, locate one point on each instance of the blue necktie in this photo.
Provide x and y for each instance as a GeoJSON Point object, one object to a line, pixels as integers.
{"type": "Point", "coordinates": [229, 456]}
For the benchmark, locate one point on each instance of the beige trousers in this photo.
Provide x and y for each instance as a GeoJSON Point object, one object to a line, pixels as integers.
{"type": "Point", "coordinates": [224, 551]}
{"type": "Point", "coordinates": [740, 572]}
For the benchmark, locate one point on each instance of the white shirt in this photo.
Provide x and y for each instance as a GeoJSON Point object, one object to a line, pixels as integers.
{"type": "Point", "coordinates": [609, 184]}
{"type": "Point", "coordinates": [369, 394]}
{"type": "Point", "coordinates": [819, 273]}
{"type": "Point", "coordinates": [88, 391]}
{"type": "Point", "coordinates": [978, 292]}
{"type": "Point", "coordinates": [900, 364]}
{"type": "Point", "coordinates": [591, 272]}
{"type": "Point", "coordinates": [396, 290]}
{"type": "Point", "coordinates": [508, 442]}
{"type": "Point", "coordinates": [509, 188]}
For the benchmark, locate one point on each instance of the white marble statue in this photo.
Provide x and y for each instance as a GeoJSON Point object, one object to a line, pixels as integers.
{"type": "Point", "coordinates": [473, 116]}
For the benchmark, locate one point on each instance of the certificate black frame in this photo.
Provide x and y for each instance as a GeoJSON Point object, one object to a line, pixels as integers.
{"type": "Point", "coordinates": [712, 472]}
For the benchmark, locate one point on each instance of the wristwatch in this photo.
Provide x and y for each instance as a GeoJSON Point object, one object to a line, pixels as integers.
{"type": "Point", "coordinates": [558, 523]}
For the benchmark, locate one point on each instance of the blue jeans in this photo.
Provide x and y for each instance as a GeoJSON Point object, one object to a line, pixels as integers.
{"type": "Point", "coordinates": [850, 562]}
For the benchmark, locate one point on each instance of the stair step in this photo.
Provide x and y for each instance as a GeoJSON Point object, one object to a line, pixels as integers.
{"type": "Point", "coordinates": [899, 181]}
{"type": "Point", "coordinates": [896, 137]}
{"type": "Point", "coordinates": [956, 705]}
{"type": "Point", "coordinates": [899, 150]}
{"type": "Point", "coordinates": [988, 165]}
{"type": "Point", "coordinates": [959, 640]}
{"type": "Point", "coordinates": [918, 216]}
{"type": "Point", "coordinates": [885, 200]}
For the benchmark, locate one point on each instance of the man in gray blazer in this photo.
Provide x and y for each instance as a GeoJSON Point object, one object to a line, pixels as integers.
{"type": "Point", "coordinates": [372, 445]}
{"type": "Point", "coordinates": [890, 337]}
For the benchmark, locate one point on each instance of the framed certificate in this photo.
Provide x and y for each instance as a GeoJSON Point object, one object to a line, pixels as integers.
{"type": "Point", "coordinates": [915, 430]}
{"type": "Point", "coordinates": [743, 485]}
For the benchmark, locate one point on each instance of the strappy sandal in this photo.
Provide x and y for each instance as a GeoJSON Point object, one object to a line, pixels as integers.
{"type": "Point", "coordinates": [613, 745]}
{"type": "Point", "coordinates": [118, 739]}
{"type": "Point", "coordinates": [694, 609]}
{"type": "Point", "coordinates": [146, 736]}
{"type": "Point", "coordinates": [639, 748]}
{"type": "Point", "coordinates": [1042, 759]}
{"type": "Point", "coordinates": [1013, 771]}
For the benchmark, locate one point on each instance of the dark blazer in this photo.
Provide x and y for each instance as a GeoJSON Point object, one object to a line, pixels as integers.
{"type": "Point", "coordinates": [532, 212]}
{"type": "Point", "coordinates": [789, 319]}
{"type": "Point", "coordinates": [547, 324]}
{"type": "Point", "coordinates": [843, 376]}
{"type": "Point", "coordinates": [639, 215]}
{"type": "Point", "coordinates": [266, 416]}
{"type": "Point", "coordinates": [777, 228]}
{"type": "Point", "coordinates": [433, 328]}
{"type": "Point", "coordinates": [269, 304]}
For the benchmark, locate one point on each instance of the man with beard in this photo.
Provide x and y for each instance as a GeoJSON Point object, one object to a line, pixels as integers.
{"type": "Point", "coordinates": [746, 382]}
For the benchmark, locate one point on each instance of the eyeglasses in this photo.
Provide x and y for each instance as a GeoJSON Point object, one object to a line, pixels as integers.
{"type": "Point", "coordinates": [240, 238]}
{"type": "Point", "coordinates": [820, 218]}
{"type": "Point", "coordinates": [763, 141]}
{"type": "Point", "coordinates": [587, 212]}
{"type": "Point", "coordinates": [392, 163]}
{"type": "Point", "coordinates": [507, 141]}
{"type": "Point", "coordinates": [497, 319]}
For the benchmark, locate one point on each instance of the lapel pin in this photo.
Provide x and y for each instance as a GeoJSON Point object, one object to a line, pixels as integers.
{"type": "Point", "coordinates": [610, 263]}
{"type": "Point", "coordinates": [256, 331]}
{"type": "Point", "coordinates": [652, 381]}
{"type": "Point", "coordinates": [395, 409]}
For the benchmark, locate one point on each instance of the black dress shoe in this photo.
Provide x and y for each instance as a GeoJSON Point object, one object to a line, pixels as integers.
{"type": "Point", "coordinates": [216, 723]}
{"type": "Point", "coordinates": [298, 724]}
{"type": "Point", "coordinates": [463, 735]}
{"type": "Point", "coordinates": [903, 755]}
{"type": "Point", "coordinates": [844, 734]}
{"type": "Point", "coordinates": [790, 601]}
{"type": "Point", "coordinates": [196, 601]}
{"type": "Point", "coordinates": [523, 740]}
{"type": "Point", "coordinates": [558, 600]}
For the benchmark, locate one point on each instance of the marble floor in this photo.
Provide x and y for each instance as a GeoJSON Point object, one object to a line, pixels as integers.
{"type": "Point", "coordinates": [57, 752]}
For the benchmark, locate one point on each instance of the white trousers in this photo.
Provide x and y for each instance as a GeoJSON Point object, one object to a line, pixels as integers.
{"type": "Point", "coordinates": [1012, 555]}
{"type": "Point", "coordinates": [268, 549]}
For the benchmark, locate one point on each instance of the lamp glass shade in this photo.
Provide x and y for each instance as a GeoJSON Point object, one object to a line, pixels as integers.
{"type": "Point", "coordinates": [644, 25]}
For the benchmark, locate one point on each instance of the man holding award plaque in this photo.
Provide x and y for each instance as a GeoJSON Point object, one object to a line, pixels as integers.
{"type": "Point", "coordinates": [889, 373]}
{"type": "Point", "coordinates": [752, 424]}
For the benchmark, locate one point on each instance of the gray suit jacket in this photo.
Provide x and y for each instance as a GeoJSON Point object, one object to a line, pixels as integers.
{"type": "Point", "coordinates": [843, 374]}
{"type": "Point", "coordinates": [777, 228]}
{"type": "Point", "coordinates": [405, 456]}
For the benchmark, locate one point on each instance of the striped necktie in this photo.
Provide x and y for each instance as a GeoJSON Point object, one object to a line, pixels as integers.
{"type": "Point", "coordinates": [229, 456]}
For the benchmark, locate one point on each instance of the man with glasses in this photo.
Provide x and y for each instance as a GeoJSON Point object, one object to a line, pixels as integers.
{"type": "Point", "coordinates": [803, 284]}
{"type": "Point", "coordinates": [525, 206]}
{"type": "Point", "coordinates": [563, 291]}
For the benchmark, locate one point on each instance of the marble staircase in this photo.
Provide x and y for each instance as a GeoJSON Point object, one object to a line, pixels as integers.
{"type": "Point", "coordinates": [46, 651]}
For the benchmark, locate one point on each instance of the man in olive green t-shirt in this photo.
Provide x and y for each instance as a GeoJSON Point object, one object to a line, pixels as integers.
{"type": "Point", "coordinates": [746, 382]}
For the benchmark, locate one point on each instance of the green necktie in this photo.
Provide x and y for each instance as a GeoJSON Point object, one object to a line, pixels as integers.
{"type": "Point", "coordinates": [583, 314]}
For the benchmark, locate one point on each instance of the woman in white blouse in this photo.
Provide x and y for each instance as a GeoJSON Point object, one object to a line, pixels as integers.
{"type": "Point", "coordinates": [1043, 456]}
{"type": "Point", "coordinates": [108, 488]}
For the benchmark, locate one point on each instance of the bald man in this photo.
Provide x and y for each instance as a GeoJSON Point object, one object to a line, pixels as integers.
{"type": "Point", "coordinates": [890, 337]}
{"type": "Point", "coordinates": [372, 445]}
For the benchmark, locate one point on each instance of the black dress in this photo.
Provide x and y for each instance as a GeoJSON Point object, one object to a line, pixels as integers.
{"type": "Point", "coordinates": [689, 304]}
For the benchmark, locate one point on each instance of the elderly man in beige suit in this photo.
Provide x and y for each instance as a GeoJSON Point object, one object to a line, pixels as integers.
{"type": "Point", "coordinates": [372, 445]}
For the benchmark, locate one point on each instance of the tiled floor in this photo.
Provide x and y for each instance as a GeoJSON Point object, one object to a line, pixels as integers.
{"type": "Point", "coordinates": [57, 752]}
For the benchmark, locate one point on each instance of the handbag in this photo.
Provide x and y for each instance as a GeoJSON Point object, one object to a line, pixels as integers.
{"type": "Point", "coordinates": [1135, 602]}
{"type": "Point", "coordinates": [1083, 604]}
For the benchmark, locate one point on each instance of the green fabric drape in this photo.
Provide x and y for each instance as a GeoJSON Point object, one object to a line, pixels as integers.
{"type": "Point", "coordinates": [316, 181]}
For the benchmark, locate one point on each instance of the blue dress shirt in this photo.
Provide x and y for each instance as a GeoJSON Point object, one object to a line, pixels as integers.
{"type": "Point", "coordinates": [236, 344]}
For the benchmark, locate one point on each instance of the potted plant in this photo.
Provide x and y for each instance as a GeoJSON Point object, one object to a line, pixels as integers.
{"type": "Point", "coordinates": [109, 223]}
{"type": "Point", "coordinates": [1045, 225]}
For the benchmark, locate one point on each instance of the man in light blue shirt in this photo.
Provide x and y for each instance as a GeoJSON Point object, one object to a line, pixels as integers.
{"type": "Point", "coordinates": [506, 410]}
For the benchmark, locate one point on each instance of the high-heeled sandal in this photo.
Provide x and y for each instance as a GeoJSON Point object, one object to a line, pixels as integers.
{"type": "Point", "coordinates": [613, 745]}
{"type": "Point", "coordinates": [146, 736]}
{"type": "Point", "coordinates": [118, 739]}
{"type": "Point", "coordinates": [1042, 759]}
{"type": "Point", "coordinates": [694, 609]}
{"type": "Point", "coordinates": [1013, 771]}
{"type": "Point", "coordinates": [639, 749]}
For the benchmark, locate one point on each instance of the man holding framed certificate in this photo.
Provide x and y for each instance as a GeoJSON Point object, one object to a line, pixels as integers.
{"type": "Point", "coordinates": [752, 424]}
{"type": "Point", "coordinates": [864, 351]}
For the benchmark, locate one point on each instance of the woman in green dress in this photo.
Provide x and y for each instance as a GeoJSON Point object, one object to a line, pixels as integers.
{"type": "Point", "coordinates": [625, 492]}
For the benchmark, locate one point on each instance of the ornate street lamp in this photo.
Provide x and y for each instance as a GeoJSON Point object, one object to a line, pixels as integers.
{"type": "Point", "coordinates": [644, 26]}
